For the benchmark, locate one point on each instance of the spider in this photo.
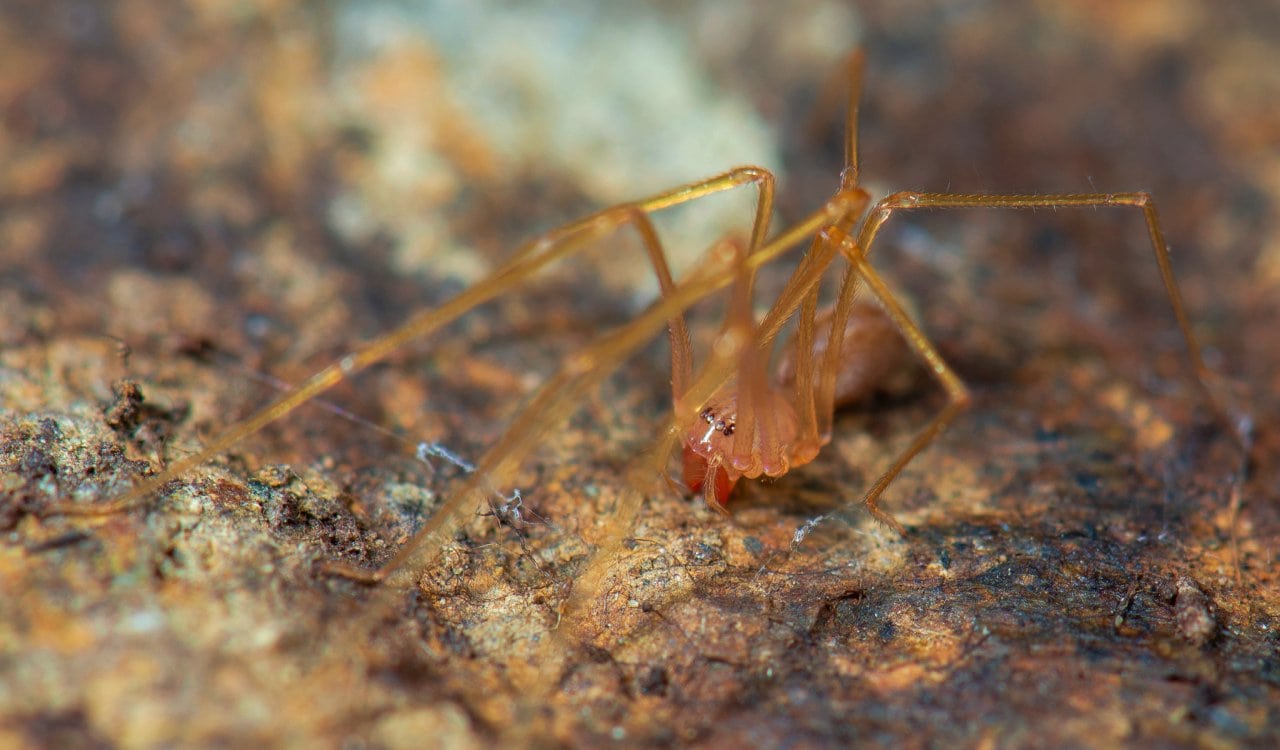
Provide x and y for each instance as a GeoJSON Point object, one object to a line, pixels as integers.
{"type": "Point", "coordinates": [731, 417]}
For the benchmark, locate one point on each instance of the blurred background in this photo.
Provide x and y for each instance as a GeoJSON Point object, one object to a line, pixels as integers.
{"type": "Point", "coordinates": [212, 200]}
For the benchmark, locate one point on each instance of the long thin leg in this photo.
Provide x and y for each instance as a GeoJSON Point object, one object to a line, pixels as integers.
{"type": "Point", "coordinates": [823, 394]}
{"type": "Point", "coordinates": [844, 83]}
{"type": "Point", "coordinates": [820, 392]}
{"type": "Point", "coordinates": [807, 408]}
{"type": "Point", "coordinates": [1202, 375]}
{"type": "Point", "coordinates": [853, 97]}
{"type": "Point", "coordinates": [959, 397]}
{"type": "Point", "coordinates": [751, 367]}
{"type": "Point", "coordinates": [957, 393]}
{"type": "Point", "coordinates": [527, 261]}
{"type": "Point", "coordinates": [814, 389]}
{"type": "Point", "coordinates": [677, 330]}
{"type": "Point", "coordinates": [815, 397]}
{"type": "Point", "coordinates": [804, 388]}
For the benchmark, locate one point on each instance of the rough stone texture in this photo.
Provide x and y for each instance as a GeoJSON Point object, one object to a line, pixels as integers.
{"type": "Point", "coordinates": [193, 195]}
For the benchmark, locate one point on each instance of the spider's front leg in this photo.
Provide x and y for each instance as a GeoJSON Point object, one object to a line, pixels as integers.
{"type": "Point", "coordinates": [529, 260]}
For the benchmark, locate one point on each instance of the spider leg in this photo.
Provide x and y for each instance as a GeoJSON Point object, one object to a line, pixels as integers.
{"type": "Point", "coordinates": [1200, 373]}
{"type": "Point", "coordinates": [814, 394]}
{"type": "Point", "coordinates": [821, 371]}
{"type": "Point", "coordinates": [956, 390]}
{"type": "Point", "coordinates": [814, 399]}
{"type": "Point", "coordinates": [526, 262]}
{"type": "Point", "coordinates": [844, 82]}
{"type": "Point", "coordinates": [804, 392]}
{"type": "Point", "coordinates": [858, 252]}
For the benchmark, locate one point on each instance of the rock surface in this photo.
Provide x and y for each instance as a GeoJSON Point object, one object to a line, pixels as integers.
{"type": "Point", "coordinates": [193, 195]}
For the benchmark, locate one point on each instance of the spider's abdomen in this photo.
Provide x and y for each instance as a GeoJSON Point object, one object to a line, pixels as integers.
{"type": "Point", "coordinates": [873, 355]}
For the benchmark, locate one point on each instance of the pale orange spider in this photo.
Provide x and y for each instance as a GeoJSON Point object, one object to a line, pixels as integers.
{"type": "Point", "coordinates": [731, 417]}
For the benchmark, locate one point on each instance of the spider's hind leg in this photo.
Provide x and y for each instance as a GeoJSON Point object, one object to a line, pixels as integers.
{"type": "Point", "coordinates": [958, 394]}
